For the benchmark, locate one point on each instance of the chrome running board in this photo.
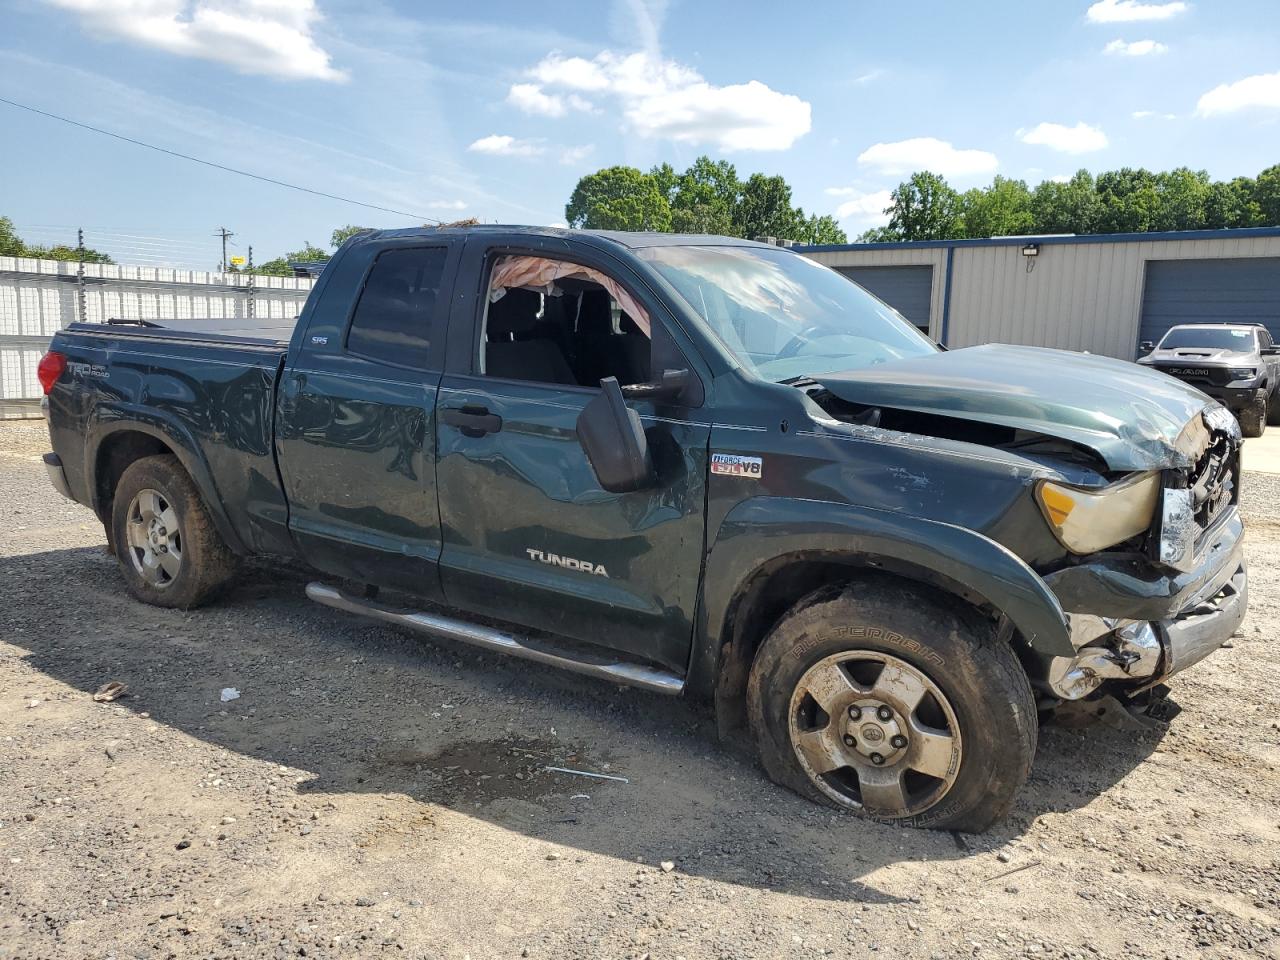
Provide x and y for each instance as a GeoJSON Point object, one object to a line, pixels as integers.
{"type": "Point", "coordinates": [618, 671]}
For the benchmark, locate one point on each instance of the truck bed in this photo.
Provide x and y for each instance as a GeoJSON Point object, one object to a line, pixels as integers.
{"type": "Point", "coordinates": [210, 396]}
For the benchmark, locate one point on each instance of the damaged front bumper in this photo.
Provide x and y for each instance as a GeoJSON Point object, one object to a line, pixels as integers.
{"type": "Point", "coordinates": [1142, 626]}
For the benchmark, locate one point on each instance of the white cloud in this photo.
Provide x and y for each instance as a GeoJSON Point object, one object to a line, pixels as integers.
{"type": "Point", "coordinates": [1081, 138]}
{"type": "Point", "coordinates": [663, 99]}
{"type": "Point", "coordinates": [572, 155]}
{"type": "Point", "coordinates": [1134, 48]}
{"type": "Point", "coordinates": [500, 145]}
{"type": "Point", "coordinates": [1262, 90]}
{"type": "Point", "coordinates": [927, 153]}
{"type": "Point", "coordinates": [1060, 178]}
{"type": "Point", "coordinates": [531, 98]}
{"type": "Point", "coordinates": [1148, 114]}
{"type": "Point", "coordinates": [269, 37]}
{"type": "Point", "coordinates": [1131, 11]}
{"type": "Point", "coordinates": [448, 205]}
{"type": "Point", "coordinates": [869, 77]}
{"type": "Point", "coordinates": [866, 209]}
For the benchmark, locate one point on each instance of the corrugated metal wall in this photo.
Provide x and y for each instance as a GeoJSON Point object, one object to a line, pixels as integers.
{"type": "Point", "coordinates": [1077, 296]}
{"type": "Point", "coordinates": [39, 297]}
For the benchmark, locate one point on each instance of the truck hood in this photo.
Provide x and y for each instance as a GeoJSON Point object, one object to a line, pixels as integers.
{"type": "Point", "coordinates": [1201, 356]}
{"type": "Point", "coordinates": [1131, 417]}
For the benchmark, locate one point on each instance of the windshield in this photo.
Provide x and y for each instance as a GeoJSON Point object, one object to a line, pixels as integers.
{"type": "Point", "coordinates": [1222, 338]}
{"type": "Point", "coordinates": [783, 315]}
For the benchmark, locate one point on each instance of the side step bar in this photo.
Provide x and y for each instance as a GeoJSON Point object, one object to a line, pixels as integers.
{"type": "Point", "coordinates": [617, 671]}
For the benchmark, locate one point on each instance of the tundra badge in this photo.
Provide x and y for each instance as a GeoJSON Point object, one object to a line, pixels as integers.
{"type": "Point", "coordinates": [569, 563]}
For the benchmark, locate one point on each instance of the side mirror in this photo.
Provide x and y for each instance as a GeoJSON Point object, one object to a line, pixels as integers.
{"type": "Point", "coordinates": [1270, 351]}
{"type": "Point", "coordinates": [669, 387]}
{"type": "Point", "coordinates": [613, 437]}
{"type": "Point", "coordinates": [1147, 346]}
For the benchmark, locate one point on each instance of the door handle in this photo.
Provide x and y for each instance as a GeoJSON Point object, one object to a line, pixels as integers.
{"type": "Point", "coordinates": [472, 419]}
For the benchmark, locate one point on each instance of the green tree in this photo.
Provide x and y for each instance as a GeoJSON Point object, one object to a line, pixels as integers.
{"type": "Point", "coordinates": [1232, 204]}
{"type": "Point", "coordinates": [1182, 194]}
{"type": "Point", "coordinates": [280, 266]}
{"type": "Point", "coordinates": [61, 251]}
{"type": "Point", "coordinates": [818, 229]}
{"type": "Point", "coordinates": [618, 198]}
{"type": "Point", "coordinates": [667, 179]}
{"type": "Point", "coordinates": [342, 234]}
{"type": "Point", "coordinates": [1129, 201]}
{"type": "Point", "coordinates": [1001, 210]}
{"type": "Point", "coordinates": [765, 208]}
{"type": "Point", "coordinates": [924, 207]}
{"type": "Point", "coordinates": [1266, 196]}
{"type": "Point", "coordinates": [704, 198]}
{"type": "Point", "coordinates": [10, 242]}
{"type": "Point", "coordinates": [703, 218]}
{"type": "Point", "coordinates": [1071, 207]}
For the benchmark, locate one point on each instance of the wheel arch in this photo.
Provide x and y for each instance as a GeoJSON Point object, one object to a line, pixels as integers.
{"type": "Point", "coordinates": [755, 576]}
{"type": "Point", "coordinates": [112, 446]}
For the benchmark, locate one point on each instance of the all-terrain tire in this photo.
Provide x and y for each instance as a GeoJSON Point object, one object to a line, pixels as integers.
{"type": "Point", "coordinates": [1273, 408]}
{"type": "Point", "coordinates": [1253, 418]}
{"type": "Point", "coordinates": [159, 488]}
{"type": "Point", "coordinates": [990, 699]}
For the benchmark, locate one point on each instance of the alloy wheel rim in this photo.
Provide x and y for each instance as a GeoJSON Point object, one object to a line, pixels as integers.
{"type": "Point", "coordinates": [154, 537]}
{"type": "Point", "coordinates": [874, 733]}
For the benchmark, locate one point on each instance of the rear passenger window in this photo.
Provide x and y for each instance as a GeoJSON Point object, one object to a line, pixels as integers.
{"type": "Point", "coordinates": [396, 316]}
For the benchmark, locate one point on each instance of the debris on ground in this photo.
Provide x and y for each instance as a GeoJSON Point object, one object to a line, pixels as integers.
{"type": "Point", "coordinates": [112, 690]}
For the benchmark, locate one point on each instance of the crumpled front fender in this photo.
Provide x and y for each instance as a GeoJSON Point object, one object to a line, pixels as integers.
{"type": "Point", "coordinates": [763, 532]}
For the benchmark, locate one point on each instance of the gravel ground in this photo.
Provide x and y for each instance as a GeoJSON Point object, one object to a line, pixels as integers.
{"type": "Point", "coordinates": [372, 793]}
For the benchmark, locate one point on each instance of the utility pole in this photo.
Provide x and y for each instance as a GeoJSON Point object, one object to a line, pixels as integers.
{"type": "Point", "coordinates": [80, 273]}
{"type": "Point", "coordinates": [224, 233]}
{"type": "Point", "coordinates": [249, 299]}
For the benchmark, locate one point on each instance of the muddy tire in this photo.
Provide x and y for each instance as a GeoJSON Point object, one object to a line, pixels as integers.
{"type": "Point", "coordinates": [1253, 418]}
{"type": "Point", "coordinates": [1273, 408]}
{"type": "Point", "coordinates": [170, 553]}
{"type": "Point", "coordinates": [895, 705]}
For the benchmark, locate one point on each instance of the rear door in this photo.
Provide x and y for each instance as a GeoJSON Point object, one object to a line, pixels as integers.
{"type": "Point", "coordinates": [530, 536]}
{"type": "Point", "coordinates": [356, 430]}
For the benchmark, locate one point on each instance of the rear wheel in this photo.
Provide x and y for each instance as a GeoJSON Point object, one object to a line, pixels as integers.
{"type": "Point", "coordinates": [169, 551]}
{"type": "Point", "coordinates": [1253, 418]}
{"type": "Point", "coordinates": [893, 705]}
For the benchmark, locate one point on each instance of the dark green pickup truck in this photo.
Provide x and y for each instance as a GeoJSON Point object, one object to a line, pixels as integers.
{"type": "Point", "coordinates": [693, 464]}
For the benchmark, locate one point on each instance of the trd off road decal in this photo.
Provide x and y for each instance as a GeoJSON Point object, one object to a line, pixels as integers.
{"type": "Point", "coordinates": [731, 465]}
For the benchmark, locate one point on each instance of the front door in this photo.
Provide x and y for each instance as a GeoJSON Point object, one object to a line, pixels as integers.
{"type": "Point", "coordinates": [529, 535]}
{"type": "Point", "coordinates": [356, 427]}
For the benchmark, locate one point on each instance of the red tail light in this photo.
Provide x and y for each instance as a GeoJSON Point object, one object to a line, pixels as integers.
{"type": "Point", "coordinates": [51, 366]}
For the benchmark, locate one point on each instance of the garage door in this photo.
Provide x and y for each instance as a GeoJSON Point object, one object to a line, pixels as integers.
{"type": "Point", "coordinates": [909, 290]}
{"type": "Point", "coordinates": [1246, 290]}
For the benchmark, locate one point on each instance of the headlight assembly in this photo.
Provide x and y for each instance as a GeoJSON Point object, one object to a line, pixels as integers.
{"type": "Point", "coordinates": [1086, 520]}
{"type": "Point", "coordinates": [1243, 373]}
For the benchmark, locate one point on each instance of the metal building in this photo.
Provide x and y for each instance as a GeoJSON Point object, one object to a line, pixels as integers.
{"type": "Point", "coordinates": [1106, 294]}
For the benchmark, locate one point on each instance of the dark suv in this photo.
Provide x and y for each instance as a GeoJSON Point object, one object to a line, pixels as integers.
{"type": "Point", "coordinates": [1236, 364]}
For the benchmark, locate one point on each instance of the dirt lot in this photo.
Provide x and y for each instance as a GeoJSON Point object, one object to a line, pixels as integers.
{"type": "Point", "coordinates": [374, 793]}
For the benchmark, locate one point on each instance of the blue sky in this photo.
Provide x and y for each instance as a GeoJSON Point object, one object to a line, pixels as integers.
{"type": "Point", "coordinates": [494, 110]}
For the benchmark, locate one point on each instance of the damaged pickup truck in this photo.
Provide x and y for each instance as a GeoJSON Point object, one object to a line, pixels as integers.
{"type": "Point", "coordinates": [694, 464]}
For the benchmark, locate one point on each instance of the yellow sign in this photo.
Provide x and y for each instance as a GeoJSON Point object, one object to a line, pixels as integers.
{"type": "Point", "coordinates": [237, 261]}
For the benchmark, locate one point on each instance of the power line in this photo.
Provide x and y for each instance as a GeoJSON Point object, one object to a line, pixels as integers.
{"type": "Point", "coordinates": [216, 166]}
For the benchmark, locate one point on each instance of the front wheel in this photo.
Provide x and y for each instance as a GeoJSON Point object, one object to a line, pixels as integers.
{"type": "Point", "coordinates": [169, 551]}
{"type": "Point", "coordinates": [894, 705]}
{"type": "Point", "coordinates": [1273, 408]}
{"type": "Point", "coordinates": [1253, 418]}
